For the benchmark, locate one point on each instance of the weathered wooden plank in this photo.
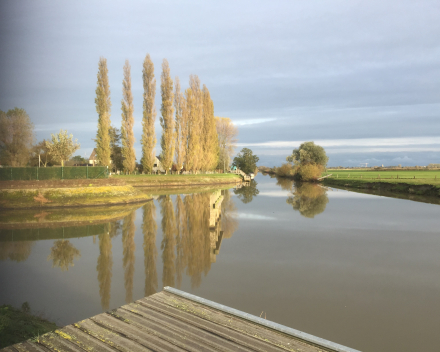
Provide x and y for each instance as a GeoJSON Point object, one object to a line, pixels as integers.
{"type": "Point", "coordinates": [200, 339]}
{"type": "Point", "coordinates": [149, 339]}
{"type": "Point", "coordinates": [8, 349]}
{"type": "Point", "coordinates": [83, 340]}
{"type": "Point", "coordinates": [30, 346]}
{"type": "Point", "coordinates": [54, 343]}
{"type": "Point", "coordinates": [203, 321]}
{"type": "Point", "coordinates": [246, 328]}
{"type": "Point", "coordinates": [111, 338]}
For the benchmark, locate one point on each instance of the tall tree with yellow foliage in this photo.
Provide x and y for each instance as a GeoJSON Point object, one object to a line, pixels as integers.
{"type": "Point", "coordinates": [167, 141]}
{"type": "Point", "coordinates": [148, 140]}
{"type": "Point", "coordinates": [181, 125]}
{"type": "Point", "coordinates": [103, 106]}
{"type": "Point", "coordinates": [127, 135]}
{"type": "Point", "coordinates": [193, 96]}
{"type": "Point", "coordinates": [210, 147]}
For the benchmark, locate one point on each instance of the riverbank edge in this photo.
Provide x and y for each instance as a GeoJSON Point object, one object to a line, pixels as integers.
{"type": "Point", "coordinates": [52, 198]}
{"type": "Point", "coordinates": [398, 187]}
{"type": "Point", "coordinates": [180, 181]}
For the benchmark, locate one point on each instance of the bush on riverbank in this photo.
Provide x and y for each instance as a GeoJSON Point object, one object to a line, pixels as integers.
{"type": "Point", "coordinates": [307, 173]}
{"type": "Point", "coordinates": [306, 163]}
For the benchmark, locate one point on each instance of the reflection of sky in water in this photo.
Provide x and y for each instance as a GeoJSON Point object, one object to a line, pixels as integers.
{"type": "Point", "coordinates": [252, 216]}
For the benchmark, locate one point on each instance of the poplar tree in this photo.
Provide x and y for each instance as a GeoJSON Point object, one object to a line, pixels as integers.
{"type": "Point", "coordinates": [127, 135]}
{"type": "Point", "coordinates": [148, 140]}
{"type": "Point", "coordinates": [209, 134]}
{"type": "Point", "coordinates": [167, 141]}
{"type": "Point", "coordinates": [227, 138]}
{"type": "Point", "coordinates": [180, 125]}
{"type": "Point", "coordinates": [103, 105]}
{"type": "Point", "coordinates": [193, 97]}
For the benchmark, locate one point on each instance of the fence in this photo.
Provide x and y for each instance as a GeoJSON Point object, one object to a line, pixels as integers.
{"type": "Point", "coordinates": [52, 173]}
{"type": "Point", "coordinates": [387, 177]}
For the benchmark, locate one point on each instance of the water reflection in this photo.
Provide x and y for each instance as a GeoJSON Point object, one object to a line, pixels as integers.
{"type": "Point", "coordinates": [193, 227]}
{"type": "Point", "coordinates": [149, 229]}
{"type": "Point", "coordinates": [168, 240]}
{"type": "Point", "coordinates": [62, 254]}
{"type": "Point", "coordinates": [247, 191]}
{"type": "Point", "coordinates": [16, 251]}
{"type": "Point", "coordinates": [104, 269]}
{"type": "Point", "coordinates": [128, 248]}
{"type": "Point", "coordinates": [309, 199]}
{"type": "Point", "coordinates": [228, 222]}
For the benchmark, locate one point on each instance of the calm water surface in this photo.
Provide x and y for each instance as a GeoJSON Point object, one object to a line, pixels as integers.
{"type": "Point", "coordinates": [357, 269]}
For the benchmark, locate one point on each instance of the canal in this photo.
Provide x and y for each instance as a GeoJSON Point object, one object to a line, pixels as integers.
{"type": "Point", "coordinates": [357, 269]}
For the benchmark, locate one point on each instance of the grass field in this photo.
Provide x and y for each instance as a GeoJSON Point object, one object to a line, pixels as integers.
{"type": "Point", "coordinates": [417, 182]}
{"type": "Point", "coordinates": [392, 176]}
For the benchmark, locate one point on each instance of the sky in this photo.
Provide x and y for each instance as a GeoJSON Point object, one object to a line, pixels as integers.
{"type": "Point", "coordinates": [360, 78]}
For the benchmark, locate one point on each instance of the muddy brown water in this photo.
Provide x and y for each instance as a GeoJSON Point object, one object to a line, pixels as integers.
{"type": "Point", "coordinates": [357, 269]}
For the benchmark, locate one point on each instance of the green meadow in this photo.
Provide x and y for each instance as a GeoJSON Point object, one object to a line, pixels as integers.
{"type": "Point", "coordinates": [392, 176]}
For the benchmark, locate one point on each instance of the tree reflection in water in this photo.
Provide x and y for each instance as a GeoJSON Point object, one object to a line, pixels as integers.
{"type": "Point", "coordinates": [197, 243]}
{"type": "Point", "coordinates": [193, 228]}
{"type": "Point", "coordinates": [181, 230]}
{"type": "Point", "coordinates": [128, 248]}
{"type": "Point", "coordinates": [228, 222]}
{"type": "Point", "coordinates": [62, 254]}
{"type": "Point", "coordinates": [149, 229]}
{"type": "Point", "coordinates": [104, 268]}
{"type": "Point", "coordinates": [247, 192]}
{"type": "Point", "coordinates": [309, 199]}
{"type": "Point", "coordinates": [168, 240]}
{"type": "Point", "coordinates": [285, 183]}
{"type": "Point", "coordinates": [17, 251]}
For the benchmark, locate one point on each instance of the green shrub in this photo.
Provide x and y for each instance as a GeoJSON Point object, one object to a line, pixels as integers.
{"type": "Point", "coordinates": [309, 172]}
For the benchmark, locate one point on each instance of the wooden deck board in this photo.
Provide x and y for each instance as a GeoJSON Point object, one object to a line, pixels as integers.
{"type": "Point", "coordinates": [166, 321]}
{"type": "Point", "coordinates": [201, 336]}
{"type": "Point", "coordinates": [29, 346]}
{"type": "Point", "coordinates": [83, 340]}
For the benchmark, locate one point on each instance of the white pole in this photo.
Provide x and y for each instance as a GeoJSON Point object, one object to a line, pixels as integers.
{"type": "Point", "coordinates": [39, 160]}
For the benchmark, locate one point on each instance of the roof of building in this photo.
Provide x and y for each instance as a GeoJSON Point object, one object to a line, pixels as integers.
{"type": "Point", "coordinates": [93, 156]}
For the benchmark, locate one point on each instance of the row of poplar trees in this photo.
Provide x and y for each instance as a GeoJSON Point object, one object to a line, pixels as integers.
{"type": "Point", "coordinates": [189, 136]}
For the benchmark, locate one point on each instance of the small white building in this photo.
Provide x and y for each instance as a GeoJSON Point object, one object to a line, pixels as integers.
{"type": "Point", "coordinates": [157, 166]}
{"type": "Point", "coordinates": [93, 159]}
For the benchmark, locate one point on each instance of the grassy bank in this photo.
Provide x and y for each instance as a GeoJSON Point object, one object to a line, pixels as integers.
{"type": "Point", "coordinates": [178, 180]}
{"type": "Point", "coordinates": [418, 177]}
{"type": "Point", "coordinates": [70, 197]}
{"type": "Point", "coordinates": [422, 187]}
{"type": "Point", "coordinates": [18, 325]}
{"type": "Point", "coordinates": [419, 182]}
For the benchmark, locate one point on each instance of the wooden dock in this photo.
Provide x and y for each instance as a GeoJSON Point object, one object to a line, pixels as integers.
{"type": "Point", "coordinates": [246, 177]}
{"type": "Point", "coordinates": [173, 320]}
